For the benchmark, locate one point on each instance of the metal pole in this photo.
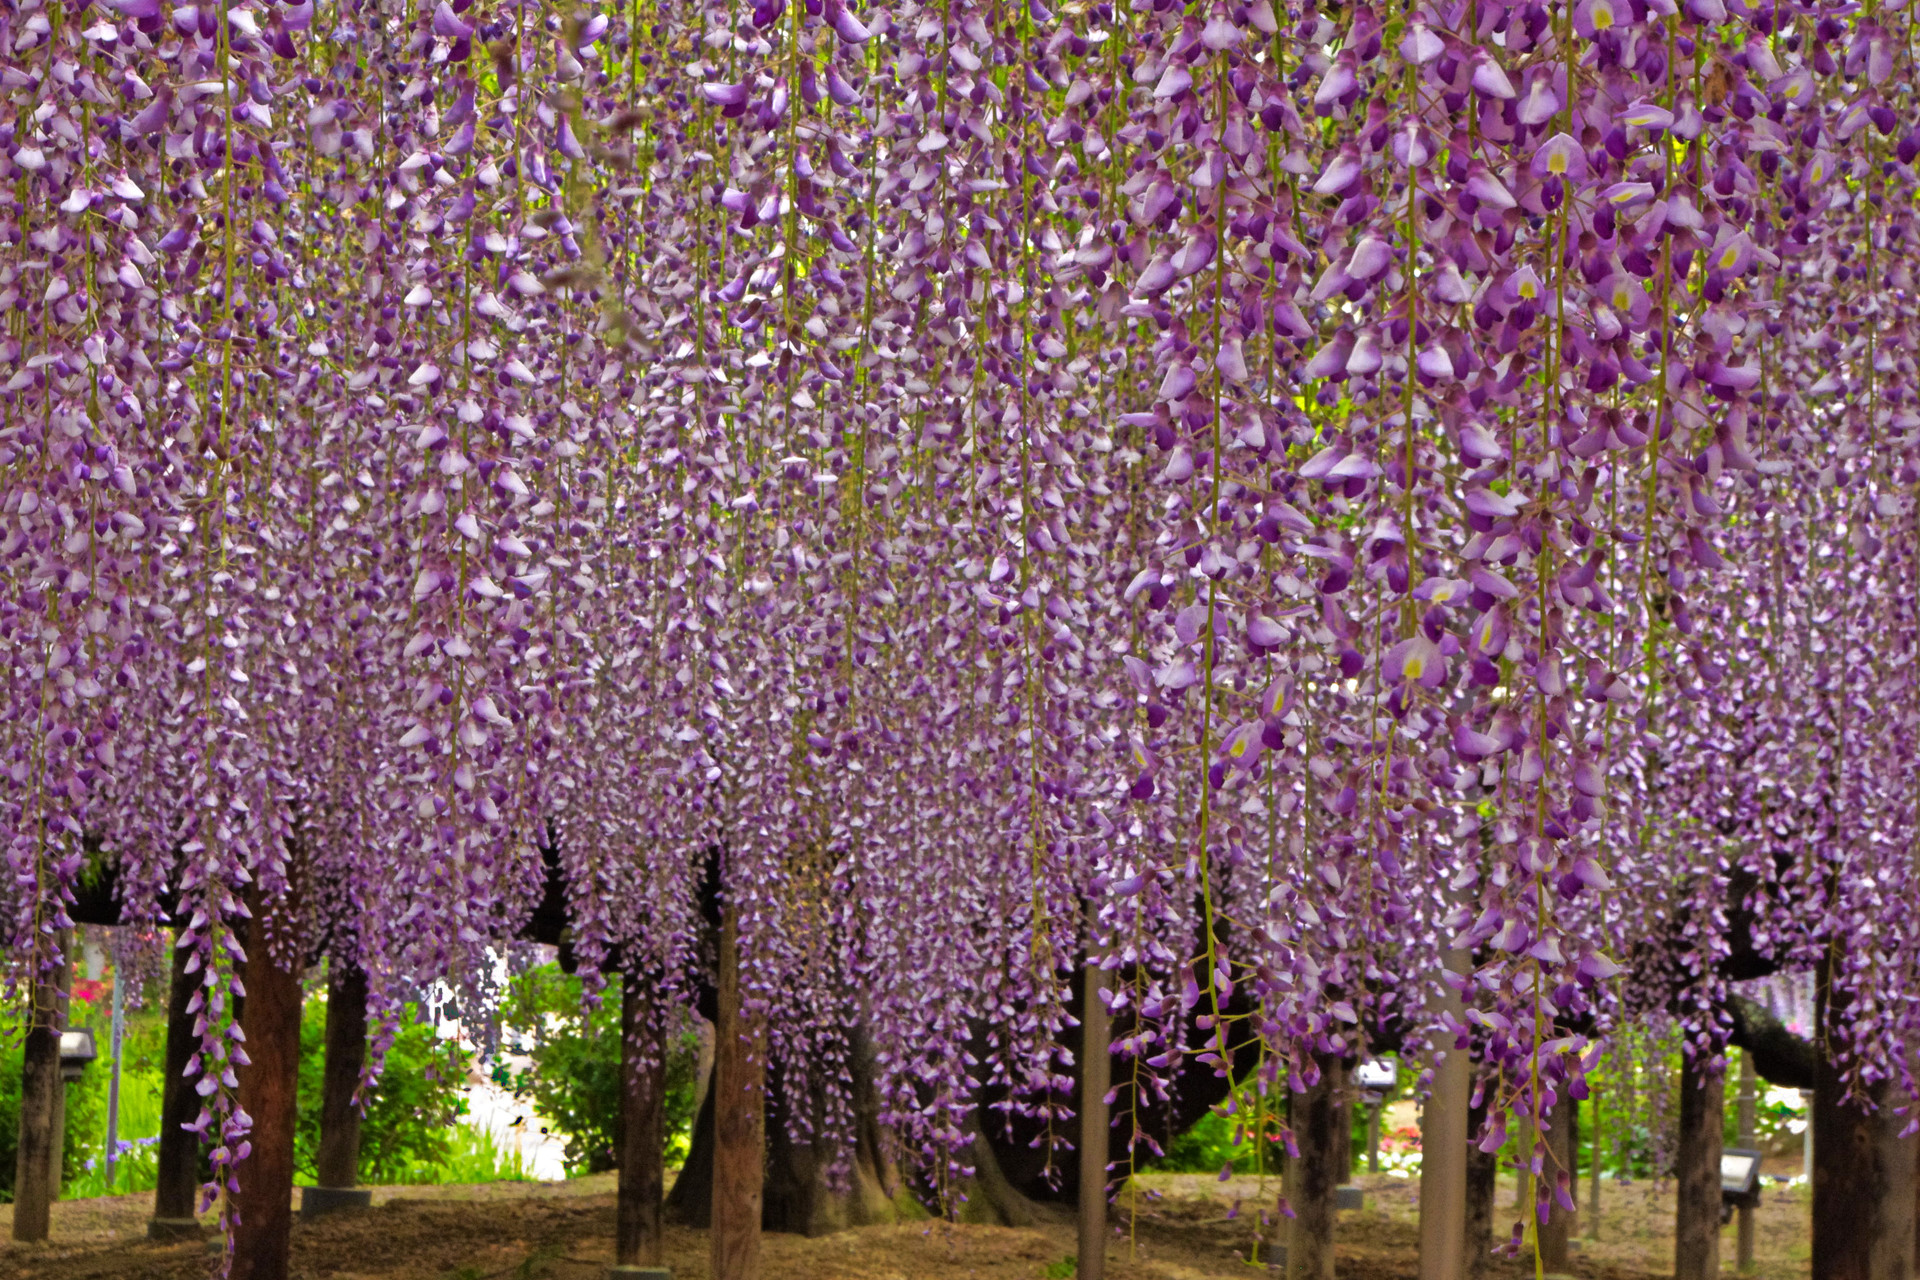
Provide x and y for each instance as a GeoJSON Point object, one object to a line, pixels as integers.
{"type": "Point", "coordinates": [1373, 1135]}
{"type": "Point", "coordinates": [113, 1081]}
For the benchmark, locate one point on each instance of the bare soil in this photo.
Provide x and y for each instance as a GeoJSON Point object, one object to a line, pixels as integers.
{"type": "Point", "coordinates": [1185, 1227]}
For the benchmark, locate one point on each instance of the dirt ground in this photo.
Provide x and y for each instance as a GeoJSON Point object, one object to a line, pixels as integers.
{"type": "Point", "coordinates": [1188, 1227]}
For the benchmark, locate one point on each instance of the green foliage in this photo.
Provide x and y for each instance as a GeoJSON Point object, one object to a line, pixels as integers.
{"type": "Point", "coordinates": [472, 1155]}
{"type": "Point", "coordinates": [143, 1054]}
{"type": "Point", "coordinates": [575, 1078]}
{"type": "Point", "coordinates": [1063, 1269]}
{"type": "Point", "coordinates": [409, 1120]}
{"type": "Point", "coordinates": [10, 1062]}
{"type": "Point", "coordinates": [1214, 1143]}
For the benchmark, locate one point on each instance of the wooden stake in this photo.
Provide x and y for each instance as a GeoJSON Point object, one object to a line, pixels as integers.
{"type": "Point", "coordinates": [740, 1110]}
{"type": "Point", "coordinates": [1444, 1138]}
{"type": "Point", "coordinates": [1095, 1069]}
{"type": "Point", "coordinates": [643, 1074]}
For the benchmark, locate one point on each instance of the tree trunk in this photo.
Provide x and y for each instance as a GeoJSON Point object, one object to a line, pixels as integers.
{"type": "Point", "coordinates": [1095, 1068]}
{"type": "Point", "coordinates": [36, 1182]}
{"type": "Point", "coordinates": [269, 1092]}
{"type": "Point", "coordinates": [1311, 1179]}
{"type": "Point", "coordinates": [1557, 1180]}
{"type": "Point", "coordinates": [643, 1068]}
{"type": "Point", "coordinates": [337, 1164]}
{"type": "Point", "coordinates": [990, 1197]}
{"type": "Point", "coordinates": [1443, 1148]}
{"type": "Point", "coordinates": [1696, 1227]}
{"type": "Point", "coordinates": [740, 1138]}
{"type": "Point", "coordinates": [1343, 1148]}
{"type": "Point", "coordinates": [1483, 1187]}
{"type": "Point", "coordinates": [1863, 1186]}
{"type": "Point", "coordinates": [178, 1158]}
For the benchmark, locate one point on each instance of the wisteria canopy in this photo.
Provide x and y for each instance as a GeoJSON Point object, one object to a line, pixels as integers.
{"type": "Point", "coordinates": [1256, 494]}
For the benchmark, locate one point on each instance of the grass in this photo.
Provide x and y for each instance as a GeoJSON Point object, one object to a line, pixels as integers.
{"type": "Point", "coordinates": [473, 1155]}
{"type": "Point", "coordinates": [137, 1168]}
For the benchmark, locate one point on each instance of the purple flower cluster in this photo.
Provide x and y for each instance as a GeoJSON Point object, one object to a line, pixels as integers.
{"type": "Point", "coordinates": [1255, 494]}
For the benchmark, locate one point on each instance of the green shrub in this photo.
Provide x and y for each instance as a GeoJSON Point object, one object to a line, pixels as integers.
{"type": "Point", "coordinates": [575, 1078]}
{"type": "Point", "coordinates": [410, 1117]}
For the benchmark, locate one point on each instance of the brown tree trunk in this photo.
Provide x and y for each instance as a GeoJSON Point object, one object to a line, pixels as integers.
{"type": "Point", "coordinates": [1343, 1148]}
{"type": "Point", "coordinates": [178, 1157]}
{"type": "Point", "coordinates": [740, 1138]}
{"type": "Point", "coordinates": [337, 1164]}
{"type": "Point", "coordinates": [1557, 1175]}
{"type": "Point", "coordinates": [1696, 1226]}
{"type": "Point", "coordinates": [1095, 1068]}
{"type": "Point", "coordinates": [1443, 1147]}
{"type": "Point", "coordinates": [1483, 1188]}
{"type": "Point", "coordinates": [1863, 1172]}
{"type": "Point", "coordinates": [990, 1197]}
{"type": "Point", "coordinates": [36, 1182]}
{"type": "Point", "coordinates": [643, 1070]}
{"type": "Point", "coordinates": [269, 1092]}
{"type": "Point", "coordinates": [1311, 1179]}
{"type": "Point", "coordinates": [1863, 1186]}
{"type": "Point", "coordinates": [800, 1194]}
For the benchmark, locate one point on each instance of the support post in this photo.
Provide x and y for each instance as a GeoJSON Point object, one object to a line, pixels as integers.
{"type": "Point", "coordinates": [1095, 1068]}
{"type": "Point", "coordinates": [336, 1165]}
{"type": "Point", "coordinates": [1483, 1188]}
{"type": "Point", "coordinates": [740, 1110]}
{"type": "Point", "coordinates": [1696, 1227]}
{"type": "Point", "coordinates": [1311, 1179]}
{"type": "Point", "coordinates": [1557, 1178]}
{"type": "Point", "coordinates": [178, 1157]}
{"type": "Point", "coordinates": [637, 1247]}
{"type": "Point", "coordinates": [269, 1092]}
{"type": "Point", "coordinates": [36, 1183]}
{"type": "Point", "coordinates": [1444, 1138]}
